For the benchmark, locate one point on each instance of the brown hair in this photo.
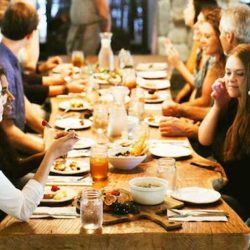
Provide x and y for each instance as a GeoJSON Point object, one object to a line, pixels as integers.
{"type": "Point", "coordinates": [19, 20]}
{"type": "Point", "coordinates": [237, 142]}
{"type": "Point", "coordinates": [200, 4]}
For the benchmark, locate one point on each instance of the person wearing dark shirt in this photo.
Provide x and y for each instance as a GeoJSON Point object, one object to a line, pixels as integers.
{"type": "Point", "coordinates": [227, 125]}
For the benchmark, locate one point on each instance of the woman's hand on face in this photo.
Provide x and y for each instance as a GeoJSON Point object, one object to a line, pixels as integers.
{"type": "Point", "coordinates": [220, 94]}
{"type": "Point", "coordinates": [173, 56]}
{"type": "Point", "coordinates": [63, 143]}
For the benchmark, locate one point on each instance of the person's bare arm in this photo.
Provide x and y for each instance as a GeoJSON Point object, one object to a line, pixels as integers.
{"type": "Point", "coordinates": [33, 120]}
{"type": "Point", "coordinates": [170, 108]}
{"type": "Point", "coordinates": [183, 92]}
{"type": "Point", "coordinates": [195, 113]}
{"type": "Point", "coordinates": [179, 128]}
{"type": "Point", "coordinates": [103, 9]}
{"type": "Point", "coordinates": [183, 70]}
{"type": "Point", "coordinates": [58, 148]}
{"type": "Point", "coordinates": [20, 140]}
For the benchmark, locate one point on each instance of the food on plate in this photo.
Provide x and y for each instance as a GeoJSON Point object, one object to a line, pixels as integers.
{"type": "Point", "coordinates": [152, 95]}
{"type": "Point", "coordinates": [139, 147]}
{"type": "Point", "coordinates": [59, 195]}
{"type": "Point", "coordinates": [76, 103]}
{"type": "Point", "coordinates": [151, 119]}
{"type": "Point", "coordinates": [108, 76]}
{"type": "Point", "coordinates": [149, 85]}
{"type": "Point", "coordinates": [55, 188]}
{"type": "Point", "coordinates": [62, 165]}
{"type": "Point", "coordinates": [126, 153]}
{"type": "Point", "coordinates": [119, 201]}
{"type": "Point", "coordinates": [148, 185]}
{"type": "Point", "coordinates": [55, 194]}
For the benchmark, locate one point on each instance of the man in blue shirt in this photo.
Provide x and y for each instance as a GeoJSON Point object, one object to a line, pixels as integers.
{"type": "Point", "coordinates": [18, 26]}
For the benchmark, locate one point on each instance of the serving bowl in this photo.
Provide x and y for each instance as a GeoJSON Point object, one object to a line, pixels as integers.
{"type": "Point", "coordinates": [148, 190]}
{"type": "Point", "coordinates": [118, 159]}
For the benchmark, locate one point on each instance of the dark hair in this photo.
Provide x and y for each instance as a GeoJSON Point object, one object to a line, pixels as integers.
{"type": "Point", "coordinates": [200, 4]}
{"type": "Point", "coordinates": [19, 20]}
{"type": "Point", "coordinates": [237, 142]}
{"type": "Point", "coordinates": [2, 72]}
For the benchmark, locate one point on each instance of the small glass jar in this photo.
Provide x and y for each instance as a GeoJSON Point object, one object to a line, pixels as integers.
{"type": "Point", "coordinates": [166, 169]}
{"type": "Point", "coordinates": [91, 210]}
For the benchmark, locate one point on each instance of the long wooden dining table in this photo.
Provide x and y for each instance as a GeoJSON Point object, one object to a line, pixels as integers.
{"type": "Point", "coordinates": [49, 233]}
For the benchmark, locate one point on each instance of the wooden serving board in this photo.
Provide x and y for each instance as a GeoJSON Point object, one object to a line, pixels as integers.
{"type": "Point", "coordinates": [162, 221]}
{"type": "Point", "coordinates": [156, 214]}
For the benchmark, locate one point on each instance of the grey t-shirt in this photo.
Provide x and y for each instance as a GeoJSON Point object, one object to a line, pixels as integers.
{"type": "Point", "coordinates": [84, 12]}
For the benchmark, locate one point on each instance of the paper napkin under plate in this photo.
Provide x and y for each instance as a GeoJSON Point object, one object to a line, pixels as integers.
{"type": "Point", "coordinates": [69, 181]}
{"type": "Point", "coordinates": [196, 217]}
{"type": "Point", "coordinates": [55, 212]}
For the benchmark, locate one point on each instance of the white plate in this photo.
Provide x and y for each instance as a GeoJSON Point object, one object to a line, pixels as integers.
{"type": "Point", "coordinates": [154, 121]}
{"type": "Point", "coordinates": [168, 150]}
{"type": "Point", "coordinates": [106, 78]}
{"type": "Point", "coordinates": [151, 66]}
{"type": "Point", "coordinates": [83, 167]}
{"type": "Point", "coordinates": [72, 123]}
{"type": "Point", "coordinates": [70, 195]}
{"type": "Point", "coordinates": [159, 97]}
{"type": "Point", "coordinates": [153, 84]}
{"type": "Point", "coordinates": [152, 74]}
{"type": "Point", "coordinates": [84, 142]}
{"type": "Point", "coordinates": [60, 68]}
{"type": "Point", "coordinates": [66, 105]}
{"type": "Point", "coordinates": [78, 153]}
{"type": "Point", "coordinates": [196, 195]}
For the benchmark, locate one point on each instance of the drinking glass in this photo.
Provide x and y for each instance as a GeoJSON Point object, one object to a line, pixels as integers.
{"type": "Point", "coordinates": [136, 106]}
{"type": "Point", "coordinates": [166, 169]}
{"type": "Point", "coordinates": [129, 78]}
{"type": "Point", "coordinates": [100, 119]}
{"type": "Point", "coordinates": [99, 162]}
{"type": "Point", "coordinates": [77, 58]}
{"type": "Point", "coordinates": [91, 210]}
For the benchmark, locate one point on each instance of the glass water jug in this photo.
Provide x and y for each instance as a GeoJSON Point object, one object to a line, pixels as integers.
{"type": "Point", "coordinates": [118, 119]}
{"type": "Point", "coordinates": [106, 55]}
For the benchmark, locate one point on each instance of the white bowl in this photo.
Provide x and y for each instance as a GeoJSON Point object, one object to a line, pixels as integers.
{"type": "Point", "coordinates": [148, 195]}
{"type": "Point", "coordinates": [125, 162]}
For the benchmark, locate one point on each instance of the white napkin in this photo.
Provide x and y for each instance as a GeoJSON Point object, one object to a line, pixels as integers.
{"type": "Point", "coordinates": [199, 218]}
{"type": "Point", "coordinates": [182, 143]}
{"type": "Point", "coordinates": [196, 217]}
{"type": "Point", "coordinates": [69, 181]}
{"type": "Point", "coordinates": [55, 212]}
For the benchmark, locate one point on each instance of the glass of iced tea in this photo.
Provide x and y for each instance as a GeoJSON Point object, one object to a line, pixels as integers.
{"type": "Point", "coordinates": [77, 58]}
{"type": "Point", "coordinates": [99, 163]}
{"type": "Point", "coordinates": [129, 78]}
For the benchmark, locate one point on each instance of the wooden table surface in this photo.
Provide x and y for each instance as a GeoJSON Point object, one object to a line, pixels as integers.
{"type": "Point", "coordinates": [67, 233]}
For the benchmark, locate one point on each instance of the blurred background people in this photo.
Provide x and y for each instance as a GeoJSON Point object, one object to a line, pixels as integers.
{"type": "Point", "coordinates": [88, 19]}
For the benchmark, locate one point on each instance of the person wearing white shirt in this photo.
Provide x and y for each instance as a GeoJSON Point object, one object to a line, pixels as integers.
{"type": "Point", "coordinates": [21, 203]}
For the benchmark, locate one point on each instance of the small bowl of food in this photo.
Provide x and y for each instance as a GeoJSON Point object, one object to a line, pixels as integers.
{"type": "Point", "coordinates": [148, 190]}
{"type": "Point", "coordinates": [122, 159]}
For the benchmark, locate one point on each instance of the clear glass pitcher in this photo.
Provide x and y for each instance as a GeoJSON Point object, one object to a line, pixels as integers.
{"type": "Point", "coordinates": [106, 55]}
{"type": "Point", "coordinates": [118, 119]}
